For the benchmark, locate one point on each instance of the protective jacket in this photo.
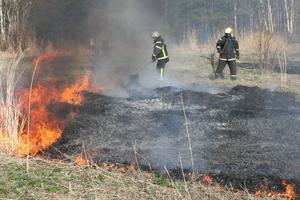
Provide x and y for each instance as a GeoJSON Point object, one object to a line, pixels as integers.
{"type": "Point", "coordinates": [160, 51]}
{"type": "Point", "coordinates": [228, 47]}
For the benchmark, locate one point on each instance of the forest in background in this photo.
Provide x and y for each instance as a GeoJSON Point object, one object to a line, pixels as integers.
{"type": "Point", "coordinates": [42, 21]}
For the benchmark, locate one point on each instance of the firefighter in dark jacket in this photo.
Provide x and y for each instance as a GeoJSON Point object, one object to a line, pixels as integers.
{"type": "Point", "coordinates": [160, 53]}
{"type": "Point", "coordinates": [228, 48]}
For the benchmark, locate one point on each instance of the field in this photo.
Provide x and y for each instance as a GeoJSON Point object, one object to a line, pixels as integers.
{"type": "Point", "coordinates": [56, 179]}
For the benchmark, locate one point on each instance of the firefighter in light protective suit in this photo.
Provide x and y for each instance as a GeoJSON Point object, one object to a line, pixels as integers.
{"type": "Point", "coordinates": [160, 53]}
{"type": "Point", "coordinates": [228, 48]}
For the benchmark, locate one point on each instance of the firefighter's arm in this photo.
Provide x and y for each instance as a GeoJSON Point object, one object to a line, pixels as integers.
{"type": "Point", "coordinates": [237, 49]}
{"type": "Point", "coordinates": [157, 49]}
{"type": "Point", "coordinates": [219, 45]}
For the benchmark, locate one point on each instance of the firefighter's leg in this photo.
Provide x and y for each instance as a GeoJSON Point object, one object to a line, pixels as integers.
{"type": "Point", "coordinates": [233, 70]}
{"type": "Point", "coordinates": [161, 69]}
{"type": "Point", "coordinates": [219, 72]}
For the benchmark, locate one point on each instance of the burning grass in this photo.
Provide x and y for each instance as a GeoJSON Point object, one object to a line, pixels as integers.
{"type": "Point", "coordinates": [29, 108]}
{"type": "Point", "coordinates": [11, 117]}
{"type": "Point", "coordinates": [289, 193]}
{"type": "Point", "coordinates": [60, 180]}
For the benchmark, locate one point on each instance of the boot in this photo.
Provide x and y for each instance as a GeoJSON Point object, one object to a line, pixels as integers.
{"type": "Point", "coordinates": [233, 77]}
{"type": "Point", "coordinates": [219, 75]}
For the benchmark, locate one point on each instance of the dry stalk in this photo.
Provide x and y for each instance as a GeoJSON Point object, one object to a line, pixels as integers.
{"type": "Point", "coordinates": [11, 120]}
{"type": "Point", "coordinates": [173, 183]}
{"type": "Point", "coordinates": [282, 61]}
{"type": "Point", "coordinates": [184, 178]}
{"type": "Point", "coordinates": [29, 113]}
{"type": "Point", "coordinates": [135, 156]}
{"type": "Point", "coordinates": [188, 133]}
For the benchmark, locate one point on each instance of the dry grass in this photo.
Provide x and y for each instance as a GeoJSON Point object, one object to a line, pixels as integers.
{"type": "Point", "coordinates": [250, 44]}
{"type": "Point", "coordinates": [253, 44]}
{"type": "Point", "coordinates": [189, 42]}
{"type": "Point", "coordinates": [11, 120]}
{"type": "Point", "coordinates": [53, 180]}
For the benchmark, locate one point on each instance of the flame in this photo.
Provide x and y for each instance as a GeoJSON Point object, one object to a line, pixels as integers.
{"type": "Point", "coordinates": [207, 180]}
{"type": "Point", "coordinates": [80, 161]}
{"type": "Point", "coordinates": [73, 95]}
{"type": "Point", "coordinates": [290, 191]}
{"type": "Point", "coordinates": [44, 128]}
{"type": "Point", "coordinates": [48, 56]}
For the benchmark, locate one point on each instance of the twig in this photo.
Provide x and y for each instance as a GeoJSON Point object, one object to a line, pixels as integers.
{"type": "Point", "coordinates": [188, 134]}
{"type": "Point", "coordinates": [135, 156]}
{"type": "Point", "coordinates": [173, 183]}
{"type": "Point", "coordinates": [184, 179]}
{"type": "Point", "coordinates": [65, 155]}
{"type": "Point", "coordinates": [29, 110]}
{"type": "Point", "coordinates": [85, 155]}
{"type": "Point", "coordinates": [148, 162]}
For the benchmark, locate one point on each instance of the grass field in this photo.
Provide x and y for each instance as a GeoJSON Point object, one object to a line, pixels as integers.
{"type": "Point", "coordinates": [56, 180]}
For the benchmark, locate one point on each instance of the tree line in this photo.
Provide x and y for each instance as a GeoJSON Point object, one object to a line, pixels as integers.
{"type": "Point", "coordinates": [42, 19]}
{"type": "Point", "coordinates": [208, 17]}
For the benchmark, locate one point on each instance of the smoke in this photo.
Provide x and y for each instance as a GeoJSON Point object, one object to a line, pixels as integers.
{"type": "Point", "coordinates": [117, 35]}
{"type": "Point", "coordinates": [116, 32]}
{"type": "Point", "coordinates": [121, 39]}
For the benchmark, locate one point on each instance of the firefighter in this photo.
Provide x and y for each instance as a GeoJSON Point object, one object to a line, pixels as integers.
{"type": "Point", "coordinates": [228, 48]}
{"type": "Point", "coordinates": [160, 53]}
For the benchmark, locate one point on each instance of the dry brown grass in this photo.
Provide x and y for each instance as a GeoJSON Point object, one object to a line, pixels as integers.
{"type": "Point", "coordinates": [11, 119]}
{"type": "Point", "coordinates": [252, 44]}
{"type": "Point", "coordinates": [249, 43]}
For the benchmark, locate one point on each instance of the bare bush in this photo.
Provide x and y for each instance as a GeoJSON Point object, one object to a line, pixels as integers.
{"type": "Point", "coordinates": [11, 120]}
{"type": "Point", "coordinates": [282, 61]}
{"type": "Point", "coordinates": [262, 47]}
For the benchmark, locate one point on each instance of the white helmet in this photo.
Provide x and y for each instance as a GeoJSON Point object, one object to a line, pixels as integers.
{"type": "Point", "coordinates": [155, 34]}
{"type": "Point", "coordinates": [228, 30]}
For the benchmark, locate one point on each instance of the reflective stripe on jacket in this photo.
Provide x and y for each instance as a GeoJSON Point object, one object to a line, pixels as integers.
{"type": "Point", "coordinates": [160, 50]}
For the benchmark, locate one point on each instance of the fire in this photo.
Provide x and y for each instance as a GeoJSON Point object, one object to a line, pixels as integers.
{"type": "Point", "coordinates": [48, 56]}
{"type": "Point", "coordinates": [290, 191]}
{"type": "Point", "coordinates": [264, 190]}
{"type": "Point", "coordinates": [80, 161]}
{"type": "Point", "coordinates": [44, 128]}
{"type": "Point", "coordinates": [72, 95]}
{"type": "Point", "coordinates": [207, 180]}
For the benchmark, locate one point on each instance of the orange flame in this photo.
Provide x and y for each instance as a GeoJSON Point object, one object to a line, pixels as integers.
{"type": "Point", "coordinates": [80, 161]}
{"type": "Point", "coordinates": [207, 180]}
{"type": "Point", "coordinates": [42, 128]}
{"type": "Point", "coordinates": [48, 56]}
{"type": "Point", "coordinates": [73, 95]}
{"type": "Point", "coordinates": [45, 129]}
{"type": "Point", "coordinates": [290, 191]}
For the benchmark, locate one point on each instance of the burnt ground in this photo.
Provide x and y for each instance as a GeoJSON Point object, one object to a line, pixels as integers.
{"type": "Point", "coordinates": [245, 132]}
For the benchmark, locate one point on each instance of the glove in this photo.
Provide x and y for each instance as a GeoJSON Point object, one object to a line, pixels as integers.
{"type": "Point", "coordinates": [153, 58]}
{"type": "Point", "coordinates": [238, 55]}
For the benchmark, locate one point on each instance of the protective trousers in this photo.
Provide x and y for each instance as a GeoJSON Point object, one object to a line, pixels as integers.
{"type": "Point", "coordinates": [232, 67]}
{"type": "Point", "coordinates": [160, 67]}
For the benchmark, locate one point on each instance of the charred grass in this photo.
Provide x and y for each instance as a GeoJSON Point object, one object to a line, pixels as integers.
{"type": "Point", "coordinates": [57, 180]}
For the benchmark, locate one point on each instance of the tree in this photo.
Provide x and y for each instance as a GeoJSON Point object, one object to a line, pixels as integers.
{"type": "Point", "coordinates": [13, 18]}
